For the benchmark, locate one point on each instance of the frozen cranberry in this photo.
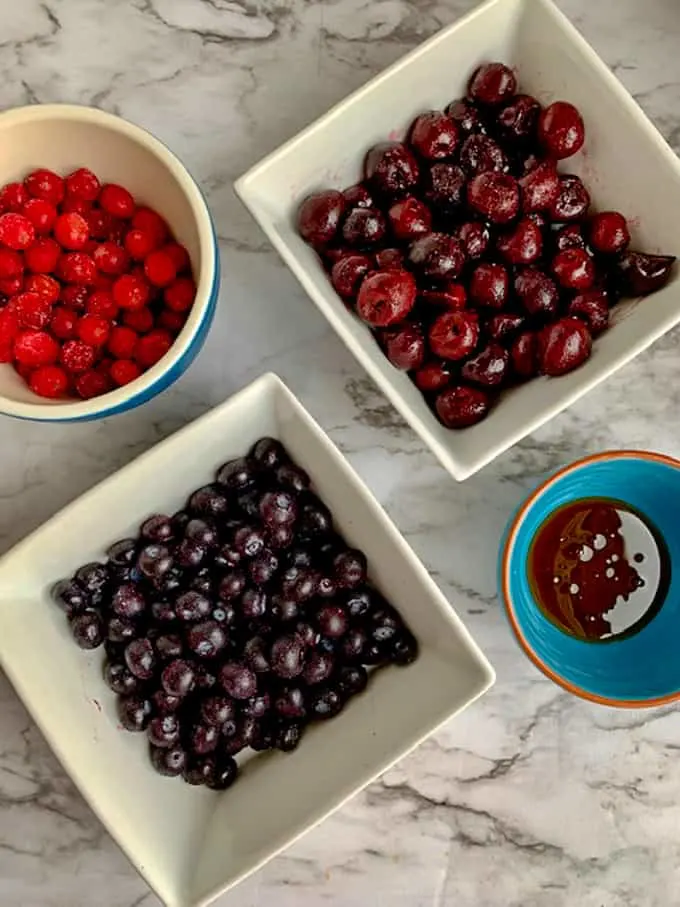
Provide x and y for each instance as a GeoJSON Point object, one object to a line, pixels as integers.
{"type": "Point", "coordinates": [409, 219]}
{"type": "Point", "coordinates": [117, 201]}
{"type": "Point", "coordinates": [391, 169]}
{"type": "Point", "coordinates": [45, 184]}
{"type": "Point", "coordinates": [434, 135]}
{"type": "Point", "coordinates": [77, 356]}
{"type": "Point", "coordinates": [9, 325]}
{"type": "Point", "coordinates": [437, 256]}
{"type": "Point", "coordinates": [638, 274]}
{"type": "Point", "coordinates": [139, 244]}
{"type": "Point", "coordinates": [82, 183]}
{"type": "Point", "coordinates": [94, 330]}
{"type": "Point", "coordinates": [460, 406]}
{"type": "Point", "coordinates": [502, 327]}
{"type": "Point", "coordinates": [16, 231]}
{"type": "Point", "coordinates": [474, 237]}
{"type": "Point", "coordinates": [41, 214]}
{"type": "Point", "coordinates": [358, 196]}
{"type": "Point", "coordinates": [363, 227]}
{"type": "Point", "coordinates": [574, 269]}
{"type": "Point", "coordinates": [150, 221]}
{"type": "Point", "coordinates": [389, 259]}
{"type": "Point", "coordinates": [122, 342]}
{"type": "Point", "coordinates": [445, 188]}
{"type": "Point", "coordinates": [35, 348]}
{"type": "Point", "coordinates": [466, 115]}
{"type": "Point", "coordinates": [572, 202]}
{"type": "Point", "coordinates": [386, 297]}
{"type": "Point", "coordinates": [569, 237]}
{"type": "Point", "coordinates": [140, 658]}
{"type": "Point", "coordinates": [74, 296]}
{"type": "Point", "coordinates": [44, 286]}
{"type": "Point", "coordinates": [11, 263]}
{"type": "Point", "coordinates": [538, 294]}
{"type": "Point", "coordinates": [593, 308]}
{"type": "Point", "coordinates": [42, 257]}
{"type": "Point", "coordinates": [9, 286]}
{"type": "Point", "coordinates": [489, 367]}
{"type": "Point", "coordinates": [492, 84]}
{"type": "Point", "coordinates": [151, 348]}
{"type": "Point", "coordinates": [77, 267]}
{"type": "Point", "coordinates": [110, 258]}
{"type": "Point", "coordinates": [489, 285]}
{"type": "Point", "coordinates": [563, 346]}
{"type": "Point", "coordinates": [180, 295]}
{"type": "Point", "coordinates": [350, 568]}
{"type": "Point", "coordinates": [71, 231]}
{"type": "Point", "coordinates": [608, 232]}
{"type": "Point", "coordinates": [540, 188]}
{"type": "Point", "coordinates": [131, 292]}
{"type": "Point", "coordinates": [171, 761]}
{"type": "Point", "coordinates": [319, 217]}
{"type": "Point", "coordinates": [32, 310]}
{"type": "Point", "coordinates": [102, 303]}
{"type": "Point", "coordinates": [348, 272]}
{"type": "Point", "coordinates": [13, 197]}
{"type": "Point", "coordinates": [124, 371]}
{"type": "Point", "coordinates": [481, 153]}
{"type": "Point", "coordinates": [433, 376]}
{"type": "Point", "coordinates": [49, 381]}
{"type": "Point", "coordinates": [495, 196]}
{"type": "Point", "coordinates": [92, 384]}
{"type": "Point", "coordinates": [160, 268]}
{"type": "Point", "coordinates": [63, 323]}
{"type": "Point", "coordinates": [450, 296]}
{"type": "Point", "coordinates": [454, 335]}
{"type": "Point", "coordinates": [561, 130]}
{"type": "Point", "coordinates": [405, 346]}
{"type": "Point", "coordinates": [518, 120]}
{"type": "Point", "coordinates": [521, 245]}
{"type": "Point", "coordinates": [171, 321]}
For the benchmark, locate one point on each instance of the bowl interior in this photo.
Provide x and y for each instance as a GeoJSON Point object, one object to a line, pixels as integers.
{"type": "Point", "coordinates": [637, 669]}
{"type": "Point", "coordinates": [552, 61]}
{"type": "Point", "coordinates": [67, 138]}
{"type": "Point", "coordinates": [191, 843]}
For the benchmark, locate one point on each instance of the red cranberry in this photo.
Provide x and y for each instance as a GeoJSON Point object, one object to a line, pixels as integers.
{"type": "Point", "coordinates": [45, 184]}
{"type": "Point", "coordinates": [363, 227]}
{"type": "Point", "coordinates": [460, 406]}
{"type": "Point", "coordinates": [492, 84]}
{"type": "Point", "coordinates": [503, 326]}
{"type": "Point", "coordinates": [386, 259]}
{"type": "Point", "coordinates": [405, 346]}
{"type": "Point", "coordinates": [495, 196]}
{"type": "Point", "coordinates": [434, 135]}
{"type": "Point", "coordinates": [83, 184]}
{"type": "Point", "coordinates": [524, 355]}
{"type": "Point", "coordinates": [16, 231]}
{"type": "Point", "coordinates": [574, 269]}
{"type": "Point", "coordinates": [489, 285]}
{"type": "Point", "coordinates": [523, 244]}
{"type": "Point", "coordinates": [540, 188]}
{"type": "Point", "coordinates": [409, 219]}
{"type": "Point", "coordinates": [489, 367]}
{"type": "Point", "coordinates": [570, 237]}
{"type": "Point", "coordinates": [563, 346]}
{"type": "Point", "coordinates": [450, 296]}
{"type": "Point", "coordinates": [608, 232]}
{"type": "Point", "coordinates": [437, 256]}
{"type": "Point", "coordinates": [538, 294]}
{"type": "Point", "coordinates": [348, 272]}
{"type": "Point", "coordinates": [49, 381]}
{"type": "Point", "coordinates": [480, 153]}
{"type": "Point", "coordinates": [319, 217]}
{"type": "Point", "coordinates": [391, 169]}
{"type": "Point", "coordinates": [639, 274]}
{"type": "Point", "coordinates": [454, 335]}
{"type": "Point", "coordinates": [445, 187]}
{"type": "Point", "coordinates": [475, 238]}
{"type": "Point", "coordinates": [433, 376]}
{"type": "Point", "coordinates": [386, 297]}
{"type": "Point", "coordinates": [358, 197]}
{"type": "Point", "coordinates": [466, 115]}
{"type": "Point", "coordinates": [561, 130]}
{"type": "Point", "coordinates": [573, 201]}
{"type": "Point", "coordinates": [593, 307]}
{"type": "Point", "coordinates": [517, 121]}
{"type": "Point", "coordinates": [117, 201]}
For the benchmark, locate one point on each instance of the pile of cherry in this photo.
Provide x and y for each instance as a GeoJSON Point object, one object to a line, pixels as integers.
{"type": "Point", "coordinates": [236, 621]}
{"type": "Point", "coordinates": [475, 262]}
{"type": "Point", "coordinates": [93, 288]}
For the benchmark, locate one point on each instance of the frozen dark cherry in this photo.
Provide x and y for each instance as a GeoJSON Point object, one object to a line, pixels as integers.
{"type": "Point", "coordinates": [563, 346]}
{"type": "Point", "coordinates": [518, 120]}
{"type": "Point", "coordinates": [363, 228]}
{"type": "Point", "coordinates": [386, 297]}
{"type": "Point", "coordinates": [481, 153]}
{"type": "Point", "coordinates": [561, 130]}
{"type": "Point", "coordinates": [434, 135]}
{"type": "Point", "coordinates": [496, 196]}
{"type": "Point", "coordinates": [573, 200]}
{"type": "Point", "coordinates": [523, 244]}
{"type": "Point", "coordinates": [433, 376]}
{"type": "Point", "coordinates": [348, 272]}
{"type": "Point", "coordinates": [454, 335]}
{"type": "Point", "coordinates": [391, 169]}
{"type": "Point", "coordinates": [492, 84]}
{"type": "Point", "coordinates": [538, 293]}
{"type": "Point", "coordinates": [405, 346]}
{"type": "Point", "coordinates": [445, 188]}
{"type": "Point", "coordinates": [474, 237]}
{"type": "Point", "coordinates": [608, 232]}
{"type": "Point", "coordinates": [437, 256]}
{"type": "Point", "coordinates": [570, 237]}
{"type": "Point", "coordinates": [503, 326]}
{"type": "Point", "coordinates": [524, 355]}
{"type": "Point", "coordinates": [489, 367]}
{"type": "Point", "coordinates": [461, 407]}
{"type": "Point", "coordinates": [540, 188]}
{"type": "Point", "coordinates": [409, 218]}
{"type": "Point", "coordinates": [467, 116]}
{"type": "Point", "coordinates": [638, 274]}
{"type": "Point", "coordinates": [574, 269]}
{"type": "Point", "coordinates": [592, 306]}
{"type": "Point", "coordinates": [490, 285]}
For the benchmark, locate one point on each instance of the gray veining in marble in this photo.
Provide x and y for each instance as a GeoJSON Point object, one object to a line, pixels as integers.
{"type": "Point", "coordinates": [529, 799]}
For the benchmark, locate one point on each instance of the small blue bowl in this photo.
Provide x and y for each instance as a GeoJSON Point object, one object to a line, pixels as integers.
{"type": "Point", "coordinates": [635, 669]}
{"type": "Point", "coordinates": [63, 137]}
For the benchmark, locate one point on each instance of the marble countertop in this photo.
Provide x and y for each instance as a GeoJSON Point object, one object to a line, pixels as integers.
{"type": "Point", "coordinates": [529, 798]}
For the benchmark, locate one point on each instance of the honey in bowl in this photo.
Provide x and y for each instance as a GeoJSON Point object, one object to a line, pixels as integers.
{"type": "Point", "coordinates": [598, 569]}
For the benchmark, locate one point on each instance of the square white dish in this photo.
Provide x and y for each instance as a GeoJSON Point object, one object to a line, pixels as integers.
{"type": "Point", "coordinates": [191, 844]}
{"type": "Point", "coordinates": [553, 62]}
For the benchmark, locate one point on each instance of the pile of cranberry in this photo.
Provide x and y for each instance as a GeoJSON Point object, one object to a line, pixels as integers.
{"type": "Point", "coordinates": [236, 621]}
{"type": "Point", "coordinates": [93, 288]}
{"type": "Point", "coordinates": [477, 264]}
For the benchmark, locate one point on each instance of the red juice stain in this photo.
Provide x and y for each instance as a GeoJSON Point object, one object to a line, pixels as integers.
{"type": "Point", "coordinates": [578, 566]}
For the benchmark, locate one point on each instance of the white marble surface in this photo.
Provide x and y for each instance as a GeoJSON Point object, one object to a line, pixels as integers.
{"type": "Point", "coordinates": [531, 798]}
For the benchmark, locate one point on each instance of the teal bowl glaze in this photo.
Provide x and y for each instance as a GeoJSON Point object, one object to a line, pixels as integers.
{"type": "Point", "coordinates": [636, 669]}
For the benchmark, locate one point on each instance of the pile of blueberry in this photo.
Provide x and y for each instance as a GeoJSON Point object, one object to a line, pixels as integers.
{"type": "Point", "coordinates": [236, 621]}
{"type": "Point", "coordinates": [477, 264]}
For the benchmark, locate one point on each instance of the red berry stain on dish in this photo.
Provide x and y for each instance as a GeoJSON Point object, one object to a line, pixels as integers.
{"type": "Point", "coordinates": [92, 249]}
{"type": "Point", "coordinates": [478, 197]}
{"type": "Point", "coordinates": [578, 567]}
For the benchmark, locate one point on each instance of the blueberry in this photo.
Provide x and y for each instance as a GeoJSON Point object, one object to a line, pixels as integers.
{"type": "Point", "coordinates": [121, 630]}
{"type": "Point", "coordinates": [216, 710]}
{"type": "Point", "coordinates": [325, 702]}
{"type": "Point", "coordinates": [127, 601]}
{"type": "Point", "coordinates": [293, 477]}
{"type": "Point", "coordinates": [200, 770]}
{"type": "Point", "coordinates": [192, 606]}
{"type": "Point", "coordinates": [269, 453]}
{"type": "Point", "coordinates": [288, 736]}
{"type": "Point", "coordinates": [169, 646]}
{"type": "Point", "coordinates": [290, 701]}
{"type": "Point", "coordinates": [202, 531]}
{"type": "Point", "coordinates": [122, 553]}
{"type": "Point", "coordinates": [154, 561]}
{"type": "Point", "coordinates": [92, 577]}
{"type": "Point", "coordinates": [253, 604]}
{"type": "Point", "coordinates": [87, 629]}
{"type": "Point", "coordinates": [70, 597]}
{"type": "Point", "coordinates": [238, 680]}
{"type": "Point", "coordinates": [350, 568]}
{"type": "Point", "coordinates": [287, 656]}
{"type": "Point", "coordinates": [254, 653]}
{"type": "Point", "coordinates": [352, 680]}
{"type": "Point", "coordinates": [318, 668]}
{"type": "Point", "coordinates": [190, 554]}
{"type": "Point", "coordinates": [332, 621]}
{"type": "Point", "coordinates": [178, 677]}
{"type": "Point", "coordinates": [163, 731]}
{"type": "Point", "coordinates": [206, 639]}
{"type": "Point", "coordinates": [118, 678]}
{"type": "Point", "coordinates": [170, 762]}
{"type": "Point", "coordinates": [140, 658]}
{"type": "Point", "coordinates": [209, 501]}
{"type": "Point", "coordinates": [237, 474]}
{"type": "Point", "coordinates": [158, 528]}
{"type": "Point", "coordinates": [203, 739]}
{"type": "Point", "coordinates": [232, 585]}
{"type": "Point", "coordinates": [403, 649]}
{"type": "Point", "coordinates": [134, 712]}
{"type": "Point", "coordinates": [225, 773]}
{"type": "Point", "coordinates": [278, 508]}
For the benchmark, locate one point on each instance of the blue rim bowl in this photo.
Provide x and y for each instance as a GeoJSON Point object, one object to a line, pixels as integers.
{"type": "Point", "coordinates": [634, 670]}
{"type": "Point", "coordinates": [63, 137]}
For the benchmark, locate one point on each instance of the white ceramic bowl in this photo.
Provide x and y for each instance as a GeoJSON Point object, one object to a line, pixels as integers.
{"type": "Point", "coordinates": [63, 137]}
{"type": "Point", "coordinates": [626, 164]}
{"type": "Point", "coordinates": [191, 844]}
